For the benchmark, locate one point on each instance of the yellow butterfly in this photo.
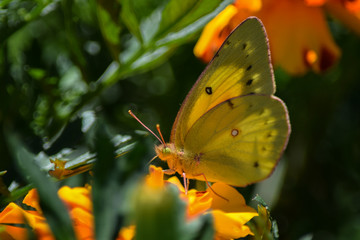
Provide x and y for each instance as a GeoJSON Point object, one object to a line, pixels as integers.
{"type": "Point", "coordinates": [231, 128]}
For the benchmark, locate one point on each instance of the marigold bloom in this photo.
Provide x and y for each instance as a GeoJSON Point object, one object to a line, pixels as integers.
{"type": "Point", "coordinates": [78, 202]}
{"type": "Point", "coordinates": [227, 207]}
{"type": "Point", "coordinates": [229, 211]}
{"type": "Point", "coordinates": [298, 33]}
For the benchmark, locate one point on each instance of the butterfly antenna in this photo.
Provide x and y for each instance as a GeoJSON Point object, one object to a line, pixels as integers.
{"type": "Point", "coordinates": [162, 138]}
{"type": "Point", "coordinates": [151, 160]}
{"type": "Point", "coordinates": [133, 115]}
{"type": "Point", "coordinates": [186, 183]}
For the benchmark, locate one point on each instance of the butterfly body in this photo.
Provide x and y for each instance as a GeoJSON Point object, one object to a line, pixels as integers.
{"type": "Point", "coordinates": [230, 127]}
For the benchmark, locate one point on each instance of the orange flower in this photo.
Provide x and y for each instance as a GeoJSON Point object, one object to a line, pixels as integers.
{"type": "Point", "coordinates": [298, 33]}
{"type": "Point", "coordinates": [79, 204]}
{"type": "Point", "coordinates": [227, 206]}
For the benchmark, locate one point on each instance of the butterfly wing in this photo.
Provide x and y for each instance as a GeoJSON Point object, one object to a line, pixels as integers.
{"type": "Point", "coordinates": [239, 141]}
{"type": "Point", "coordinates": [241, 66]}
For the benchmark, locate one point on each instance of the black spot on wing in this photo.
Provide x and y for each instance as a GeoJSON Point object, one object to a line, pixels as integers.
{"type": "Point", "coordinates": [249, 82]}
{"type": "Point", "coordinates": [249, 67]}
{"type": "Point", "coordinates": [256, 164]}
{"type": "Point", "coordinates": [231, 105]}
{"type": "Point", "coordinates": [244, 46]}
{"type": "Point", "coordinates": [208, 90]}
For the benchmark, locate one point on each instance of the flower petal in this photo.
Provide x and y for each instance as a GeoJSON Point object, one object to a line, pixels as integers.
{"type": "Point", "coordinates": [32, 199]}
{"type": "Point", "coordinates": [230, 201]}
{"type": "Point", "coordinates": [13, 214]}
{"type": "Point", "coordinates": [76, 197]}
{"type": "Point", "coordinates": [349, 13]}
{"type": "Point", "coordinates": [312, 34]}
{"type": "Point", "coordinates": [231, 225]}
{"type": "Point", "coordinates": [310, 46]}
{"type": "Point", "coordinates": [214, 35]}
{"type": "Point", "coordinates": [156, 177]}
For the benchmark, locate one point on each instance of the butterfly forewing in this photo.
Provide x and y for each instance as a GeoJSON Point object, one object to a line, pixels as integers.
{"type": "Point", "coordinates": [241, 66]}
{"type": "Point", "coordinates": [238, 142]}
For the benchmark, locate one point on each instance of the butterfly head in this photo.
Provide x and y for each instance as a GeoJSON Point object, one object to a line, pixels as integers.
{"type": "Point", "coordinates": [165, 151]}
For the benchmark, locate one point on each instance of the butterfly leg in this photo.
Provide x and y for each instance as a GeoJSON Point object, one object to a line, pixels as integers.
{"type": "Point", "coordinates": [186, 183]}
{"type": "Point", "coordinates": [186, 180]}
{"type": "Point", "coordinates": [169, 171]}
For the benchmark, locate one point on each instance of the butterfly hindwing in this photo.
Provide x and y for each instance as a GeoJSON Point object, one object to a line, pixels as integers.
{"type": "Point", "coordinates": [238, 141]}
{"type": "Point", "coordinates": [241, 66]}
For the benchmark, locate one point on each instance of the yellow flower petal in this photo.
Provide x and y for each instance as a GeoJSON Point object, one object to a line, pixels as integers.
{"type": "Point", "coordinates": [32, 199]}
{"type": "Point", "coordinates": [247, 5]}
{"type": "Point", "coordinates": [13, 214]}
{"type": "Point", "coordinates": [198, 203]}
{"type": "Point", "coordinates": [126, 233]}
{"type": "Point", "coordinates": [213, 34]}
{"type": "Point", "coordinates": [233, 202]}
{"type": "Point", "coordinates": [311, 46]}
{"type": "Point", "coordinates": [353, 6]}
{"type": "Point", "coordinates": [156, 177]}
{"type": "Point", "coordinates": [312, 34]}
{"type": "Point", "coordinates": [76, 197]}
{"type": "Point", "coordinates": [315, 3]}
{"type": "Point", "coordinates": [231, 225]}
{"type": "Point", "coordinates": [176, 181]}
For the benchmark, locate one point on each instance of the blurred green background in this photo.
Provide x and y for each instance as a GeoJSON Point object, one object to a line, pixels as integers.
{"type": "Point", "coordinates": [62, 60]}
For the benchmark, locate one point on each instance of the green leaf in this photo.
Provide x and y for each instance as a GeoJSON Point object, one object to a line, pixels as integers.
{"type": "Point", "coordinates": [108, 16]}
{"type": "Point", "coordinates": [111, 180]}
{"type": "Point", "coordinates": [179, 14]}
{"type": "Point", "coordinates": [190, 22]}
{"type": "Point", "coordinates": [142, 17]}
{"type": "Point", "coordinates": [159, 214]}
{"type": "Point", "coordinates": [105, 188]}
{"type": "Point", "coordinates": [202, 228]}
{"type": "Point", "coordinates": [53, 208]}
{"type": "Point", "coordinates": [15, 195]}
{"type": "Point", "coordinates": [159, 29]}
{"type": "Point", "coordinates": [16, 14]}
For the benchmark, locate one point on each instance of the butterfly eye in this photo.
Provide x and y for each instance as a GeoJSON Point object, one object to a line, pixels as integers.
{"type": "Point", "coordinates": [166, 150]}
